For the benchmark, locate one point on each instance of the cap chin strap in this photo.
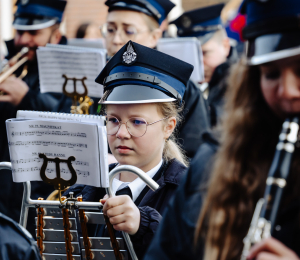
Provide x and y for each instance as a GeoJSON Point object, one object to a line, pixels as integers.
{"type": "Point", "coordinates": [142, 77]}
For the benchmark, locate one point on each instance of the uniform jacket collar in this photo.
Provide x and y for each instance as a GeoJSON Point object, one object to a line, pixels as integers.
{"type": "Point", "coordinates": [172, 174]}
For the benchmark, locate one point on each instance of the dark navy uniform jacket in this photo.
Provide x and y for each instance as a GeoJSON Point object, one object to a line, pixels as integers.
{"type": "Point", "coordinates": [15, 244]}
{"type": "Point", "coordinates": [174, 238]}
{"type": "Point", "coordinates": [151, 204]}
{"type": "Point", "coordinates": [195, 120]}
{"type": "Point", "coordinates": [11, 193]}
{"type": "Point", "coordinates": [217, 88]}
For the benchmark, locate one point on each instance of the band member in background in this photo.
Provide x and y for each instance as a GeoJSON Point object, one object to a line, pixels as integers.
{"type": "Point", "coordinates": [16, 242]}
{"type": "Point", "coordinates": [36, 23]}
{"type": "Point", "coordinates": [206, 24]}
{"type": "Point", "coordinates": [263, 90]}
{"type": "Point", "coordinates": [140, 21]}
{"type": "Point", "coordinates": [141, 117]}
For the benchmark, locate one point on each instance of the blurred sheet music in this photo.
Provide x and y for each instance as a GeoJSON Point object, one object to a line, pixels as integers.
{"type": "Point", "coordinates": [88, 43]}
{"type": "Point", "coordinates": [86, 141]}
{"type": "Point", "coordinates": [186, 49]}
{"type": "Point", "coordinates": [77, 62]}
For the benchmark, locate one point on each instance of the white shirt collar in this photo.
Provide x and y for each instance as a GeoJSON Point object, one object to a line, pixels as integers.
{"type": "Point", "coordinates": [137, 185]}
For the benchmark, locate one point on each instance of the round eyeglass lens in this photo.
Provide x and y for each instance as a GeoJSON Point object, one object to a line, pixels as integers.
{"type": "Point", "coordinates": [136, 126]}
{"type": "Point", "coordinates": [112, 125]}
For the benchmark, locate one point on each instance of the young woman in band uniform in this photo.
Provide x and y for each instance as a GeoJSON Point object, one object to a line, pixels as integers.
{"type": "Point", "coordinates": [264, 90]}
{"type": "Point", "coordinates": [140, 121]}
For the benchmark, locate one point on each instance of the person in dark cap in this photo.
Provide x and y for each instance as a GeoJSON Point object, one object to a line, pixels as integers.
{"type": "Point", "coordinates": [143, 90]}
{"type": "Point", "coordinates": [36, 23]}
{"type": "Point", "coordinates": [263, 91]}
{"type": "Point", "coordinates": [206, 24]}
{"type": "Point", "coordinates": [134, 20]}
{"type": "Point", "coordinates": [15, 241]}
{"type": "Point", "coordinates": [140, 21]}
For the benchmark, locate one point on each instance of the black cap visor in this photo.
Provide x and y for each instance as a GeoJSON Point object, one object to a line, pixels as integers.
{"type": "Point", "coordinates": [31, 23]}
{"type": "Point", "coordinates": [272, 47]}
{"type": "Point", "coordinates": [136, 94]}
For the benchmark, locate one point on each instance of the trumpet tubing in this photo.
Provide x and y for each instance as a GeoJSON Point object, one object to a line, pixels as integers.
{"type": "Point", "coordinates": [13, 64]}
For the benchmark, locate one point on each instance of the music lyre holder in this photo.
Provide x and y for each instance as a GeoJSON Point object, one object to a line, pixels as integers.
{"type": "Point", "coordinates": [27, 202]}
{"type": "Point", "coordinates": [82, 98]}
{"type": "Point", "coordinates": [59, 183]}
{"type": "Point", "coordinates": [75, 95]}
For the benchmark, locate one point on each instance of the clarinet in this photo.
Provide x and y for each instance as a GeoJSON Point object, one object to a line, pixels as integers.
{"type": "Point", "coordinates": [264, 217]}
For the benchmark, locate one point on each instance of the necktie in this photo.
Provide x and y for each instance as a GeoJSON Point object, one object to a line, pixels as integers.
{"type": "Point", "coordinates": [124, 191]}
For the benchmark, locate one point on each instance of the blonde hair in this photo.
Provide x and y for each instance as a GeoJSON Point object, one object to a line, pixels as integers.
{"type": "Point", "coordinates": [171, 148]}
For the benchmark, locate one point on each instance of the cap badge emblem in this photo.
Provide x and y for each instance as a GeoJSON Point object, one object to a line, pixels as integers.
{"type": "Point", "coordinates": [129, 56]}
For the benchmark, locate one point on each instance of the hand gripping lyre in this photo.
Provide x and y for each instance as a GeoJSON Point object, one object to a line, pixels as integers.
{"type": "Point", "coordinates": [145, 178]}
{"type": "Point", "coordinates": [58, 182]}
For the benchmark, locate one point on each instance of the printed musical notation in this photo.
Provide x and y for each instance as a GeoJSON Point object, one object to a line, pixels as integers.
{"type": "Point", "coordinates": [47, 143]}
{"type": "Point", "coordinates": [27, 138]}
{"type": "Point", "coordinates": [52, 133]}
{"type": "Point", "coordinates": [50, 170]}
{"type": "Point", "coordinates": [39, 160]}
{"type": "Point", "coordinates": [54, 61]}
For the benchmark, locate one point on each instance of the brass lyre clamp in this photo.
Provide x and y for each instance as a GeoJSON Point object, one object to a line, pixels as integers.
{"type": "Point", "coordinates": [58, 182]}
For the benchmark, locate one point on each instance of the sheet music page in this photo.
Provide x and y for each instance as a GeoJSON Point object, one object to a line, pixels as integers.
{"type": "Point", "coordinates": [28, 138]}
{"type": "Point", "coordinates": [26, 114]}
{"type": "Point", "coordinates": [103, 156]}
{"type": "Point", "coordinates": [185, 49]}
{"type": "Point", "coordinates": [74, 62]}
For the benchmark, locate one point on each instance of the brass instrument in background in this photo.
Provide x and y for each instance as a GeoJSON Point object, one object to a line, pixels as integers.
{"type": "Point", "coordinates": [13, 64]}
{"type": "Point", "coordinates": [83, 107]}
{"type": "Point", "coordinates": [264, 218]}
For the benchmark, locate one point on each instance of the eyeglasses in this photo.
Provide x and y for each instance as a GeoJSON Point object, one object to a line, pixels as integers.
{"type": "Point", "coordinates": [136, 126]}
{"type": "Point", "coordinates": [128, 32]}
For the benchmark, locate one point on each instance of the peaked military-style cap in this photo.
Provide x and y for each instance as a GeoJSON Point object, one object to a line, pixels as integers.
{"type": "Point", "coordinates": [201, 23]}
{"type": "Point", "coordinates": [38, 14]}
{"type": "Point", "coordinates": [158, 9]}
{"type": "Point", "coordinates": [272, 29]}
{"type": "Point", "coordinates": [137, 74]}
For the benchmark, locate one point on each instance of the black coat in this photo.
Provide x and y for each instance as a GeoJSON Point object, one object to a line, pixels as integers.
{"type": "Point", "coordinates": [174, 238]}
{"type": "Point", "coordinates": [195, 120]}
{"type": "Point", "coordinates": [15, 243]}
{"type": "Point", "coordinates": [11, 193]}
{"type": "Point", "coordinates": [151, 204]}
{"type": "Point", "coordinates": [217, 89]}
